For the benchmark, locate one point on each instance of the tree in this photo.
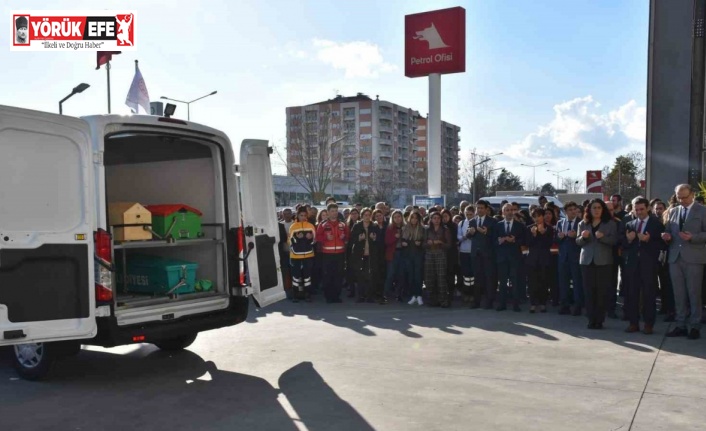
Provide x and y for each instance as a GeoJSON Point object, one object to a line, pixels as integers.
{"type": "Point", "coordinates": [506, 181]}
{"type": "Point", "coordinates": [362, 197]}
{"type": "Point", "coordinates": [547, 189]}
{"type": "Point", "coordinates": [624, 177]}
{"type": "Point", "coordinates": [313, 153]}
{"type": "Point", "coordinates": [483, 174]}
{"type": "Point", "coordinates": [572, 185]}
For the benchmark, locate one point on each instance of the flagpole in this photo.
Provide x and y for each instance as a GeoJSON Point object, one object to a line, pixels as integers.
{"type": "Point", "coordinates": [107, 69]}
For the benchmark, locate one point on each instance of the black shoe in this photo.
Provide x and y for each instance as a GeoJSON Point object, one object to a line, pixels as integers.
{"type": "Point", "coordinates": [565, 310]}
{"type": "Point", "coordinates": [612, 315]}
{"type": "Point", "coordinates": [577, 312]}
{"type": "Point", "coordinates": [501, 308]}
{"type": "Point", "coordinates": [488, 307]}
{"type": "Point", "coordinates": [662, 311]}
{"type": "Point", "coordinates": [382, 301]}
{"type": "Point", "coordinates": [670, 318]}
{"type": "Point", "coordinates": [694, 334]}
{"type": "Point", "coordinates": [591, 326]}
{"type": "Point", "coordinates": [351, 294]}
{"type": "Point", "coordinates": [474, 306]}
{"type": "Point", "coordinates": [371, 301]}
{"type": "Point", "coordinates": [295, 300]}
{"type": "Point", "coordinates": [307, 299]}
{"type": "Point", "coordinates": [677, 332]}
{"type": "Point", "coordinates": [445, 304]}
{"type": "Point", "coordinates": [532, 311]}
{"type": "Point", "coordinates": [336, 301]}
{"type": "Point", "coordinates": [598, 326]}
{"type": "Point", "coordinates": [516, 308]}
{"type": "Point", "coordinates": [360, 300]}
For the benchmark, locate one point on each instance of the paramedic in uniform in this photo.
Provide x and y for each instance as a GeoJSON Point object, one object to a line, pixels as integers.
{"type": "Point", "coordinates": [302, 236]}
{"type": "Point", "coordinates": [333, 236]}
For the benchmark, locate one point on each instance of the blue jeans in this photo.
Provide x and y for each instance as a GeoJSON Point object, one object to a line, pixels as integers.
{"type": "Point", "coordinates": [395, 274]}
{"type": "Point", "coordinates": [414, 269]}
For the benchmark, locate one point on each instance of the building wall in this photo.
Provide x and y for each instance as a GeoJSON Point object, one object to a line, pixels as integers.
{"type": "Point", "coordinates": [450, 138]}
{"type": "Point", "coordinates": [668, 96]}
{"type": "Point", "coordinates": [388, 143]}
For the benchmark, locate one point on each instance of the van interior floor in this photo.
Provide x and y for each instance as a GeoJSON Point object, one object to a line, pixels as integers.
{"type": "Point", "coordinates": [135, 300]}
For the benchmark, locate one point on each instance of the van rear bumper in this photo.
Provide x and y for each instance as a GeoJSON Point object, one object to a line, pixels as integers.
{"type": "Point", "coordinates": [112, 335]}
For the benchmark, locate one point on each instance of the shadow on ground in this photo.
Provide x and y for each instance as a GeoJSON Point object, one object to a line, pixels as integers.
{"type": "Point", "coordinates": [149, 389]}
{"type": "Point", "coordinates": [365, 319]}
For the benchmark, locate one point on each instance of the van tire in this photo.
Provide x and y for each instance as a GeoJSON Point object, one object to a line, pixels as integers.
{"type": "Point", "coordinates": [177, 343]}
{"type": "Point", "coordinates": [34, 361]}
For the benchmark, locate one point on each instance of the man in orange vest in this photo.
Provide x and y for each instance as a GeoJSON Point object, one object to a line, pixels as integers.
{"type": "Point", "coordinates": [333, 236]}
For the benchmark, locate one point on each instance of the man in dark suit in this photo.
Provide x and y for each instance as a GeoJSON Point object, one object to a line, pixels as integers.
{"type": "Point", "coordinates": [480, 229]}
{"type": "Point", "coordinates": [642, 244]}
{"type": "Point", "coordinates": [665, 282]}
{"type": "Point", "coordinates": [508, 238]}
{"type": "Point", "coordinates": [685, 232]}
{"type": "Point", "coordinates": [569, 252]}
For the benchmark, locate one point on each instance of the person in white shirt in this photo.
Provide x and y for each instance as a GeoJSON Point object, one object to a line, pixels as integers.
{"type": "Point", "coordinates": [464, 244]}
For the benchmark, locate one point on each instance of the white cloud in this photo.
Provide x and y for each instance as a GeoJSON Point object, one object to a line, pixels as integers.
{"type": "Point", "coordinates": [580, 132]}
{"type": "Point", "coordinates": [357, 58]}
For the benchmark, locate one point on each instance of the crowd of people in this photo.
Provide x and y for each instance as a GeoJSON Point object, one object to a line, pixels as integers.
{"type": "Point", "coordinates": [580, 259]}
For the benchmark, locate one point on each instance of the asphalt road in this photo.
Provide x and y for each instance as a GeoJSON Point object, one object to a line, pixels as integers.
{"type": "Point", "coordinates": [371, 367]}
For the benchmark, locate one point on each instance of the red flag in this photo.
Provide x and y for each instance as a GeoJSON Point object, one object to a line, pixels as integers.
{"type": "Point", "coordinates": [104, 57]}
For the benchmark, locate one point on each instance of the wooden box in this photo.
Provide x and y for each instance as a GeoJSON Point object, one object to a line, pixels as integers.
{"type": "Point", "coordinates": [129, 213]}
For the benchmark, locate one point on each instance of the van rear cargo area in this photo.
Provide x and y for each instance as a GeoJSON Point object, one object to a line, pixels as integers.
{"type": "Point", "coordinates": [183, 174]}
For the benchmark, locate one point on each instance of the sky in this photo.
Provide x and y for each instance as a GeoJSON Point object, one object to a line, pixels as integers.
{"type": "Point", "coordinates": [561, 81]}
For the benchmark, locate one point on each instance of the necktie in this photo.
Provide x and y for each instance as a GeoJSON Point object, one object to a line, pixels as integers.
{"type": "Point", "coordinates": [639, 227]}
{"type": "Point", "coordinates": [507, 228]}
{"type": "Point", "coordinates": [682, 217]}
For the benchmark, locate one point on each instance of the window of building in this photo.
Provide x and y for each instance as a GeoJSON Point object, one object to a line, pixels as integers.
{"type": "Point", "coordinates": [365, 162]}
{"type": "Point", "coordinates": [365, 124]}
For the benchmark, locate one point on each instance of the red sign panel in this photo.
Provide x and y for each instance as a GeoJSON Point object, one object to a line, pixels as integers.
{"type": "Point", "coordinates": [435, 42]}
{"type": "Point", "coordinates": [594, 182]}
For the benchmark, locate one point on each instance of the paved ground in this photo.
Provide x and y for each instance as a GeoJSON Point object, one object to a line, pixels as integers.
{"type": "Point", "coordinates": [370, 367]}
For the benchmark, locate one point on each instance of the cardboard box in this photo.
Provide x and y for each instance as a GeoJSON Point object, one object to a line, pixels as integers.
{"type": "Point", "coordinates": [129, 213]}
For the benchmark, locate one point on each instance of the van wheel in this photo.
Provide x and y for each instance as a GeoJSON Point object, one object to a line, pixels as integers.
{"type": "Point", "coordinates": [176, 343]}
{"type": "Point", "coordinates": [34, 361]}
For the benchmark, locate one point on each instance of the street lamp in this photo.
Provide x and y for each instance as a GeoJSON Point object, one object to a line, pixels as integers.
{"type": "Point", "coordinates": [557, 175]}
{"type": "Point", "coordinates": [77, 89]}
{"type": "Point", "coordinates": [188, 104]}
{"type": "Point", "coordinates": [474, 171]}
{"type": "Point", "coordinates": [534, 170]}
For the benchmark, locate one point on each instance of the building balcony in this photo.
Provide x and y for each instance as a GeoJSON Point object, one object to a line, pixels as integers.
{"type": "Point", "coordinates": [385, 153]}
{"type": "Point", "coordinates": [383, 113]}
{"type": "Point", "coordinates": [388, 129]}
{"type": "Point", "coordinates": [385, 141]}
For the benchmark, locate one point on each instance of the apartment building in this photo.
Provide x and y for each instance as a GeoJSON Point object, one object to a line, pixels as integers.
{"type": "Point", "coordinates": [369, 142]}
{"type": "Point", "coordinates": [450, 138]}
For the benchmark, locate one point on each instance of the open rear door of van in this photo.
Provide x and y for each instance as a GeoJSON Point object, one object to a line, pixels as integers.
{"type": "Point", "coordinates": [46, 234]}
{"type": "Point", "coordinates": [260, 222]}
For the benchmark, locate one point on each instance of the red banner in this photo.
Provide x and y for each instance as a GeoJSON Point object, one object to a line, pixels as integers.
{"type": "Point", "coordinates": [594, 182]}
{"type": "Point", "coordinates": [435, 42]}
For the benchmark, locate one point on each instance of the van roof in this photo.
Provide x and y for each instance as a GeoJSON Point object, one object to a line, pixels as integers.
{"type": "Point", "coordinates": [528, 200]}
{"type": "Point", "coordinates": [99, 121]}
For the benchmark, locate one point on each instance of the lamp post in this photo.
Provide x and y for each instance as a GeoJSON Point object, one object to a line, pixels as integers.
{"type": "Point", "coordinates": [534, 170]}
{"type": "Point", "coordinates": [557, 175]}
{"type": "Point", "coordinates": [474, 170]}
{"type": "Point", "coordinates": [77, 89]}
{"type": "Point", "coordinates": [188, 104]}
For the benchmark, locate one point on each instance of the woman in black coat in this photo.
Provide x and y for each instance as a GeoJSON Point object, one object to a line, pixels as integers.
{"type": "Point", "coordinates": [539, 259]}
{"type": "Point", "coordinates": [452, 262]}
{"type": "Point", "coordinates": [365, 255]}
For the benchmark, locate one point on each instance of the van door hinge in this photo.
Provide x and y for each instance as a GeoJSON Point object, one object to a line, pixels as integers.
{"type": "Point", "coordinates": [698, 27]}
{"type": "Point", "coordinates": [98, 158]}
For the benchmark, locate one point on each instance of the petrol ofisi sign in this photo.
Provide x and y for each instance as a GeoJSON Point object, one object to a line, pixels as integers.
{"type": "Point", "coordinates": [435, 42]}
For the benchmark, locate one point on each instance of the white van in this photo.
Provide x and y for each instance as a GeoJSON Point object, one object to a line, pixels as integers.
{"type": "Point", "coordinates": [58, 261]}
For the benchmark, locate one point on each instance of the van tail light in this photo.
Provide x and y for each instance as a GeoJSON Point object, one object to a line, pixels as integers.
{"type": "Point", "coordinates": [241, 242]}
{"type": "Point", "coordinates": [103, 266]}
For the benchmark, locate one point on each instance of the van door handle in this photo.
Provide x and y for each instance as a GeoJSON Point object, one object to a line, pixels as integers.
{"type": "Point", "coordinates": [14, 335]}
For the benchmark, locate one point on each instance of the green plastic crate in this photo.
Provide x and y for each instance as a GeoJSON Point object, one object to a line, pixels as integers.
{"type": "Point", "coordinates": [186, 221]}
{"type": "Point", "coordinates": [156, 275]}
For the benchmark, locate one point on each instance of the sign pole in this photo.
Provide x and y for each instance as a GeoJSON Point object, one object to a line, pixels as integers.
{"type": "Point", "coordinates": [434, 136]}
